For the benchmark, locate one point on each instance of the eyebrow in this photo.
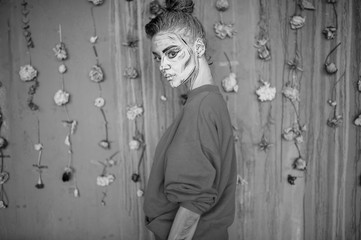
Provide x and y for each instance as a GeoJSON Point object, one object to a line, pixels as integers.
{"type": "Point", "coordinates": [167, 49]}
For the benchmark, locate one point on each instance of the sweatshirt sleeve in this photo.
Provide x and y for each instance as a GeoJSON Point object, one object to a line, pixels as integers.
{"type": "Point", "coordinates": [191, 168]}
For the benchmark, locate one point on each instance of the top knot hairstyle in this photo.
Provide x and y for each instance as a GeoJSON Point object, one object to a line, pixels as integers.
{"type": "Point", "coordinates": [177, 17]}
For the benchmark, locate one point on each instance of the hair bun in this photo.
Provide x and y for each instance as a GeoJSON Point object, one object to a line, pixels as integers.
{"type": "Point", "coordinates": [186, 6]}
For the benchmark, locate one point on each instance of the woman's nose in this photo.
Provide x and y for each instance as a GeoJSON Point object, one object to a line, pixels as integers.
{"type": "Point", "coordinates": [164, 65]}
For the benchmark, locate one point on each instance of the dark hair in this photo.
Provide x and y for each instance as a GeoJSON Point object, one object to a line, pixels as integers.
{"type": "Point", "coordinates": [177, 16]}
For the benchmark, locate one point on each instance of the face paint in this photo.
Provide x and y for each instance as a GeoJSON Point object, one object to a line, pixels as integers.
{"type": "Point", "coordinates": [178, 63]}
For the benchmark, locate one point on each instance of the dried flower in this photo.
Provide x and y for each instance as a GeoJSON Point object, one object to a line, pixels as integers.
{"type": "Point", "coordinates": [4, 177]}
{"type": "Point", "coordinates": [357, 121]}
{"type": "Point", "coordinates": [96, 74]}
{"type": "Point", "coordinates": [131, 73]}
{"type": "Point", "coordinates": [291, 179]}
{"type": "Point", "coordinates": [222, 5]}
{"type": "Point", "coordinates": [224, 30]}
{"type": "Point", "coordinates": [27, 73]}
{"type": "Point", "coordinates": [73, 127]}
{"type": "Point", "coordinates": [134, 144]}
{"type": "Point", "coordinates": [93, 39]}
{"type": "Point", "coordinates": [329, 32]}
{"type": "Point", "coordinates": [62, 68]}
{"type": "Point", "coordinates": [60, 51]}
{"type": "Point", "coordinates": [105, 180]}
{"type": "Point", "coordinates": [331, 68]}
{"type": "Point", "coordinates": [304, 4]}
{"type": "Point", "coordinates": [99, 102]}
{"type": "Point", "coordinates": [289, 134]}
{"type": "Point", "coordinates": [3, 143]}
{"type": "Point", "coordinates": [135, 177]}
{"type": "Point", "coordinates": [264, 53]}
{"type": "Point", "coordinates": [3, 204]}
{"type": "Point", "coordinates": [297, 22]}
{"type": "Point", "coordinates": [332, 103]}
{"type": "Point", "coordinates": [61, 97]}
{"type": "Point", "coordinates": [38, 146]}
{"type": "Point", "coordinates": [67, 140]}
{"type": "Point", "coordinates": [140, 193]}
{"type": "Point", "coordinates": [76, 192]}
{"type": "Point", "coordinates": [264, 145]}
{"type": "Point", "coordinates": [265, 92]}
{"type": "Point", "coordinates": [40, 184]}
{"type": "Point", "coordinates": [299, 164]}
{"type": "Point", "coordinates": [67, 174]}
{"type": "Point", "coordinates": [97, 2]}
{"type": "Point", "coordinates": [229, 83]}
{"type": "Point", "coordinates": [291, 93]}
{"type": "Point", "coordinates": [104, 144]}
{"type": "Point", "coordinates": [134, 111]}
{"type": "Point", "coordinates": [163, 98]}
{"type": "Point", "coordinates": [335, 122]}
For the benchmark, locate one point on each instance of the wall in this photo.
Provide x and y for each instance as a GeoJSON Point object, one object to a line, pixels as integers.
{"type": "Point", "coordinates": [324, 202]}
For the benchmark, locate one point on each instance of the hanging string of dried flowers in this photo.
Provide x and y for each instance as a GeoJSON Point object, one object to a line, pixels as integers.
{"type": "Point", "coordinates": [61, 99]}
{"type": "Point", "coordinates": [96, 75]}
{"type": "Point", "coordinates": [336, 119]}
{"type": "Point", "coordinates": [291, 91]}
{"type": "Point", "coordinates": [331, 67]}
{"type": "Point", "coordinates": [27, 72]}
{"type": "Point", "coordinates": [38, 166]}
{"type": "Point", "coordinates": [105, 178]}
{"type": "Point", "coordinates": [4, 175]}
{"type": "Point", "coordinates": [330, 31]}
{"type": "Point", "coordinates": [229, 83]}
{"type": "Point", "coordinates": [222, 29]}
{"type": "Point", "coordinates": [262, 45]}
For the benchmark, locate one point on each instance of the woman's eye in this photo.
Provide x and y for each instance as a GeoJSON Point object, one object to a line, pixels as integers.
{"type": "Point", "coordinates": [172, 54]}
{"type": "Point", "coordinates": [157, 58]}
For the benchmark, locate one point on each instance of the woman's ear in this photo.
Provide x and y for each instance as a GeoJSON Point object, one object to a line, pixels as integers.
{"type": "Point", "coordinates": [200, 47]}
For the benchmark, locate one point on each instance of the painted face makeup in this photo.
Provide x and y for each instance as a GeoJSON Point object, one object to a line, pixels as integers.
{"type": "Point", "coordinates": [178, 63]}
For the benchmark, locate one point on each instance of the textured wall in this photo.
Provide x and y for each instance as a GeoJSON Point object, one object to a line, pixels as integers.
{"type": "Point", "coordinates": [324, 202]}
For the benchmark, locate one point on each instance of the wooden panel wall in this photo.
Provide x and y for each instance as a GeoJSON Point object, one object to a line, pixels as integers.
{"type": "Point", "coordinates": [324, 202]}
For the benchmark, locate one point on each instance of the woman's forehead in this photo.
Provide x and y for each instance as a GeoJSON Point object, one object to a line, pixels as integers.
{"type": "Point", "coordinates": [164, 39]}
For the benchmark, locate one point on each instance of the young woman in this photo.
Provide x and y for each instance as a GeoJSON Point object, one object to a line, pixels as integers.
{"type": "Point", "coordinates": [191, 188]}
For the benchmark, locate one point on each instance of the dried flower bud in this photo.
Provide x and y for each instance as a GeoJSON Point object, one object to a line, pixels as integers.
{"type": "Point", "coordinates": [3, 143]}
{"type": "Point", "coordinates": [67, 174]}
{"type": "Point", "coordinates": [291, 179]}
{"type": "Point", "coordinates": [97, 2]}
{"type": "Point", "coordinates": [4, 177]}
{"type": "Point", "coordinates": [140, 193]}
{"type": "Point", "coordinates": [3, 204]}
{"type": "Point", "coordinates": [61, 97]}
{"type": "Point", "coordinates": [96, 74]}
{"type": "Point", "coordinates": [104, 144]}
{"type": "Point", "coordinates": [331, 68]}
{"type": "Point", "coordinates": [99, 102]}
{"type": "Point", "coordinates": [299, 164]}
{"type": "Point", "coordinates": [297, 22]}
{"type": "Point", "coordinates": [27, 73]}
{"type": "Point", "coordinates": [135, 177]}
{"type": "Point", "coordinates": [38, 146]}
{"type": "Point", "coordinates": [222, 5]}
{"type": "Point", "coordinates": [329, 32]}
{"type": "Point", "coordinates": [229, 83]}
{"type": "Point", "coordinates": [93, 39]}
{"type": "Point", "coordinates": [62, 68]}
{"type": "Point", "coordinates": [134, 144]}
{"type": "Point", "coordinates": [40, 184]}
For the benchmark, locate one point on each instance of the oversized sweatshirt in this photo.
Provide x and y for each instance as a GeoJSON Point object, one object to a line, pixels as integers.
{"type": "Point", "coordinates": [195, 167]}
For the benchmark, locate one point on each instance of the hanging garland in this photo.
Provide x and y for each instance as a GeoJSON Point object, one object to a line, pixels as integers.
{"type": "Point", "coordinates": [291, 91]}
{"type": "Point", "coordinates": [38, 166]}
{"type": "Point", "coordinates": [222, 29]}
{"type": "Point", "coordinates": [96, 75]}
{"type": "Point", "coordinates": [105, 178]}
{"type": "Point", "coordinates": [329, 32]}
{"type": "Point", "coordinates": [4, 175]}
{"type": "Point", "coordinates": [27, 72]}
{"type": "Point", "coordinates": [336, 119]}
{"type": "Point", "coordinates": [61, 99]}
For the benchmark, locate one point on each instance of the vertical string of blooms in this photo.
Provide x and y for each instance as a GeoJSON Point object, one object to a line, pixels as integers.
{"type": "Point", "coordinates": [61, 99]}
{"type": "Point", "coordinates": [96, 75]}
{"type": "Point", "coordinates": [106, 178]}
{"type": "Point", "coordinates": [27, 72]}
{"type": "Point", "coordinates": [291, 89]}
{"type": "Point", "coordinates": [38, 166]}
{"type": "Point", "coordinates": [135, 110]}
{"type": "Point", "coordinates": [222, 29]}
{"type": "Point", "coordinates": [4, 175]}
{"type": "Point", "coordinates": [265, 93]}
